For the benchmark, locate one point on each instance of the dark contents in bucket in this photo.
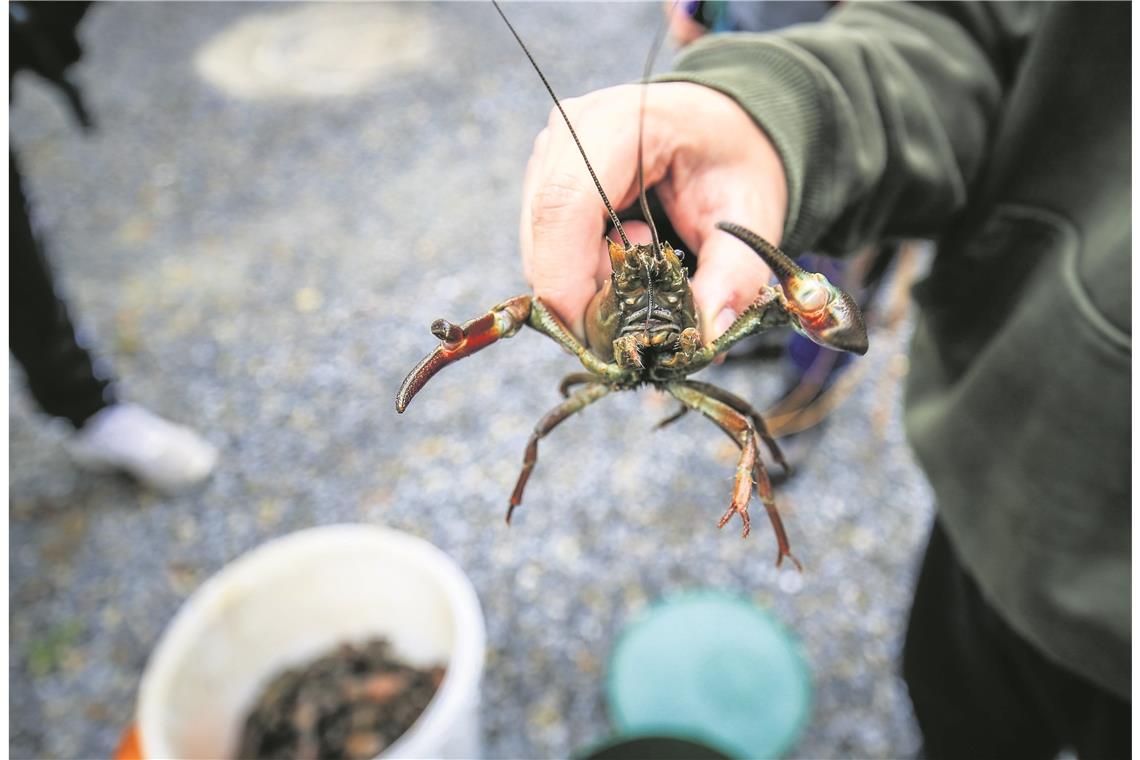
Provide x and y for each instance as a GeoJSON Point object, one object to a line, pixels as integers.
{"type": "Point", "coordinates": [349, 704]}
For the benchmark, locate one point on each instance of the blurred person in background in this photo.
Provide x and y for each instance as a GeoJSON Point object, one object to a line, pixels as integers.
{"type": "Point", "coordinates": [1002, 131]}
{"type": "Point", "coordinates": [693, 19]}
{"type": "Point", "coordinates": [61, 375]}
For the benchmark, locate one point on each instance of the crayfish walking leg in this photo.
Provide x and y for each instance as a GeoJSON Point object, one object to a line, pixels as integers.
{"type": "Point", "coordinates": [750, 467]}
{"type": "Point", "coordinates": [742, 406]}
{"type": "Point", "coordinates": [570, 406]}
{"type": "Point", "coordinates": [574, 378]}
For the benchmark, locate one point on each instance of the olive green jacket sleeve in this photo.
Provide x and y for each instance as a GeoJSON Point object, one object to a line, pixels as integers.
{"type": "Point", "coordinates": [882, 114]}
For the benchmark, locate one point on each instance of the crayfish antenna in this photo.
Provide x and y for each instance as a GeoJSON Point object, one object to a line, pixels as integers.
{"type": "Point", "coordinates": [589, 167]}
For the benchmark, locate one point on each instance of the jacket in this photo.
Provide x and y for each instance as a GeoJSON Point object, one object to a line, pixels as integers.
{"type": "Point", "coordinates": [1002, 131]}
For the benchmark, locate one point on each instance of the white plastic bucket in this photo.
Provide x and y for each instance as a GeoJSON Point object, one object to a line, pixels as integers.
{"type": "Point", "coordinates": [293, 600]}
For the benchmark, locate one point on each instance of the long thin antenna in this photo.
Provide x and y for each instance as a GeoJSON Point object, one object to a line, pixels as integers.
{"type": "Point", "coordinates": [653, 49]}
{"type": "Point", "coordinates": [658, 38]}
{"type": "Point", "coordinates": [597, 184]}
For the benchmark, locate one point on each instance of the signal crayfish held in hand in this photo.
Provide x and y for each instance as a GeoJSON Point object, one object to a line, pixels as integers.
{"type": "Point", "coordinates": [642, 329]}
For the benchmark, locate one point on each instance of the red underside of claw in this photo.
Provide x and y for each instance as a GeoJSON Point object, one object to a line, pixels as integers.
{"type": "Point", "coordinates": [456, 343]}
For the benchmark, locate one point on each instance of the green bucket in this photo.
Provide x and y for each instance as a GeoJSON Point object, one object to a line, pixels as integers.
{"type": "Point", "coordinates": [713, 668]}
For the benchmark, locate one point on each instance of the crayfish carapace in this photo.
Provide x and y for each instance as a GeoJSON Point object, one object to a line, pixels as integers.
{"type": "Point", "coordinates": [642, 329]}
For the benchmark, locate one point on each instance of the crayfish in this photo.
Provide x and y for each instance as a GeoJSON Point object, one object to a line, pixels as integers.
{"type": "Point", "coordinates": [642, 329]}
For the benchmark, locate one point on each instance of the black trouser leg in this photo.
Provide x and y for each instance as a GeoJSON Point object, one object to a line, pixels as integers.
{"type": "Point", "coordinates": [982, 691]}
{"type": "Point", "coordinates": [40, 334]}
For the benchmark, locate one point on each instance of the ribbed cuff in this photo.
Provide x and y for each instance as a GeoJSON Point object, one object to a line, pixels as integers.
{"type": "Point", "coordinates": [787, 99]}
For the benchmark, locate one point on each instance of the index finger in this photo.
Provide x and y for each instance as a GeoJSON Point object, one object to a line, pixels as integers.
{"type": "Point", "coordinates": [563, 215]}
{"type": "Point", "coordinates": [561, 226]}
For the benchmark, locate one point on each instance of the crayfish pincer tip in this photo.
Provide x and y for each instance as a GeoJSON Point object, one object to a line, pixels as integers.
{"type": "Point", "coordinates": [405, 395]}
{"type": "Point", "coordinates": [779, 262]}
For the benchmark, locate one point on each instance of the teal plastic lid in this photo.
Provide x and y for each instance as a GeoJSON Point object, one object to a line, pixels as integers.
{"type": "Point", "coordinates": [715, 668]}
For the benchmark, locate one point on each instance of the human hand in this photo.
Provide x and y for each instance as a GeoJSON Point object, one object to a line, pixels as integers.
{"type": "Point", "coordinates": [708, 161]}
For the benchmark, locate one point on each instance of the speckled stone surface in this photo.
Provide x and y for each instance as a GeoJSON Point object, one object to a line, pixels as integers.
{"type": "Point", "coordinates": [264, 268]}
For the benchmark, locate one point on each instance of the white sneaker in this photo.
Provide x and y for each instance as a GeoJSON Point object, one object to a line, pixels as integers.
{"type": "Point", "coordinates": [126, 437]}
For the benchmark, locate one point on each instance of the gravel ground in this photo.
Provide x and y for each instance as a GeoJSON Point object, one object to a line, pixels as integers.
{"type": "Point", "coordinates": [261, 260]}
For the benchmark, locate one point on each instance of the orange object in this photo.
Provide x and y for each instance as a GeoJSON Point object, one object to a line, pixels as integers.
{"type": "Point", "coordinates": [130, 748]}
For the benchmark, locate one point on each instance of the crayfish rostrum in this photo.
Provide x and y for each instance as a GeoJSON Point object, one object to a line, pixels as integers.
{"type": "Point", "coordinates": [642, 329]}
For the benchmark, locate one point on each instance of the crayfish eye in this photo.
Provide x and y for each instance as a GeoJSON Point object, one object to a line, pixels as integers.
{"type": "Point", "coordinates": [810, 294]}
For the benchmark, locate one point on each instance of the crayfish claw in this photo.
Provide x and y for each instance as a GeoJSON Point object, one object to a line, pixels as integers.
{"type": "Point", "coordinates": [458, 341]}
{"type": "Point", "coordinates": [819, 310]}
{"type": "Point", "coordinates": [450, 333]}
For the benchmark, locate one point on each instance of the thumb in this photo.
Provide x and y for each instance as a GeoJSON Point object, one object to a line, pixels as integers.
{"type": "Point", "coordinates": [729, 277]}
